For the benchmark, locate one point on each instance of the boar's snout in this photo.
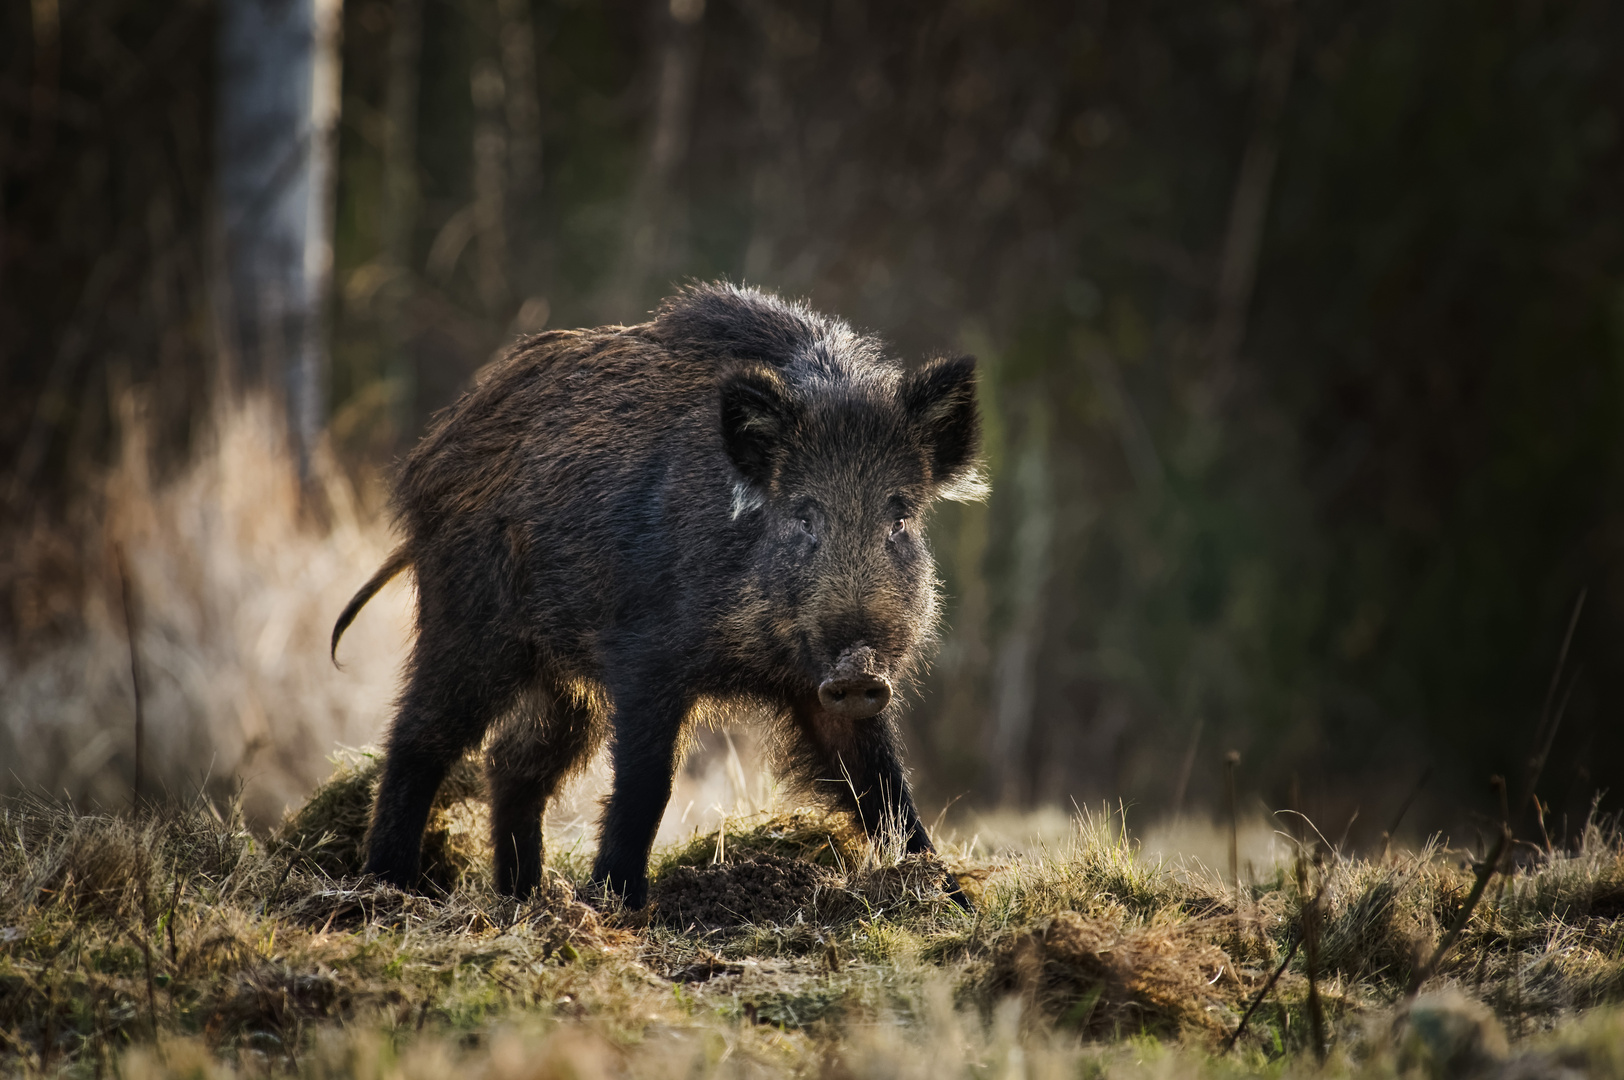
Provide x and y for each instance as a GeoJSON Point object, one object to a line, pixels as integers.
{"type": "Point", "coordinates": [856, 698]}
{"type": "Point", "coordinates": [852, 690]}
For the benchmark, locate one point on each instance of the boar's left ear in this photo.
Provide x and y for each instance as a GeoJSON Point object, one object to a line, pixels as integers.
{"type": "Point", "coordinates": [940, 399]}
{"type": "Point", "coordinates": [756, 415]}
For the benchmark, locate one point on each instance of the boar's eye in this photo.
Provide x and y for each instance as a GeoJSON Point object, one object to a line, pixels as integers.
{"type": "Point", "coordinates": [808, 520]}
{"type": "Point", "coordinates": [900, 511]}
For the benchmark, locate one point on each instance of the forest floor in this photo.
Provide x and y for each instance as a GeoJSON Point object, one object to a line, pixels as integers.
{"type": "Point", "coordinates": [178, 943]}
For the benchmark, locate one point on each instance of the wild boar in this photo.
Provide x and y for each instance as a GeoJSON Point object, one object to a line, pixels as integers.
{"type": "Point", "coordinates": [620, 530]}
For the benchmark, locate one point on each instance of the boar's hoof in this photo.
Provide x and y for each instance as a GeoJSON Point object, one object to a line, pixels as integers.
{"type": "Point", "coordinates": [855, 697]}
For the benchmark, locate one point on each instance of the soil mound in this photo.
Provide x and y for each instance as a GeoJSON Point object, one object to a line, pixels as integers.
{"type": "Point", "coordinates": [761, 889]}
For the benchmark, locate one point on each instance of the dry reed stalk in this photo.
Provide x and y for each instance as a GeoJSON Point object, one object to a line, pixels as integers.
{"type": "Point", "coordinates": [126, 593]}
{"type": "Point", "coordinates": [1240, 1029]}
{"type": "Point", "coordinates": [1231, 760]}
{"type": "Point", "coordinates": [1543, 737]}
{"type": "Point", "coordinates": [1310, 936]}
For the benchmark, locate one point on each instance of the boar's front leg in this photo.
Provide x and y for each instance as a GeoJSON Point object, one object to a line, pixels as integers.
{"type": "Point", "coordinates": [647, 724]}
{"type": "Point", "coordinates": [858, 767]}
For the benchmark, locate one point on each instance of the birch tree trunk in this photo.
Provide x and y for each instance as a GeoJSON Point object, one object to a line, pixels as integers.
{"type": "Point", "coordinates": [276, 116]}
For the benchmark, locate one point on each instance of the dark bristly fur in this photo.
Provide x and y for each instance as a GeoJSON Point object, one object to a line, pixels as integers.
{"type": "Point", "coordinates": [620, 528]}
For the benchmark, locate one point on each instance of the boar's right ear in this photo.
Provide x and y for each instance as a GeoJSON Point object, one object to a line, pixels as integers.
{"type": "Point", "coordinates": [940, 399]}
{"type": "Point", "coordinates": [755, 418]}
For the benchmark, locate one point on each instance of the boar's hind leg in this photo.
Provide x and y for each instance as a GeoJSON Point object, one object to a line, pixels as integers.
{"type": "Point", "coordinates": [857, 766]}
{"type": "Point", "coordinates": [535, 750]}
{"type": "Point", "coordinates": [647, 726]}
{"type": "Point", "coordinates": [451, 698]}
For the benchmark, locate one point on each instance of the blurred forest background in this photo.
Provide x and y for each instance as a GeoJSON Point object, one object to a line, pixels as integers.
{"type": "Point", "coordinates": [1301, 327]}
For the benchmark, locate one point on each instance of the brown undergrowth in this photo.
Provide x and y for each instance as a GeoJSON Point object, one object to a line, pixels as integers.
{"type": "Point", "coordinates": [777, 944]}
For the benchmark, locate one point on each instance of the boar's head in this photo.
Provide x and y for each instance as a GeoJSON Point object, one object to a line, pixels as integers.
{"type": "Point", "coordinates": [835, 478]}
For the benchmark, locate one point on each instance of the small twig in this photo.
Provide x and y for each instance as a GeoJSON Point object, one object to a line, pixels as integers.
{"type": "Point", "coordinates": [174, 902]}
{"type": "Point", "coordinates": [1240, 1028]}
{"type": "Point", "coordinates": [287, 872]}
{"type": "Point", "coordinates": [1485, 870]}
{"type": "Point", "coordinates": [1539, 812]}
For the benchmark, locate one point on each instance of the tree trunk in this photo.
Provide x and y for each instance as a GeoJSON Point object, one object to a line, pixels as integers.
{"type": "Point", "coordinates": [490, 158]}
{"type": "Point", "coordinates": [399, 211]}
{"type": "Point", "coordinates": [522, 104]}
{"type": "Point", "coordinates": [276, 117]}
{"type": "Point", "coordinates": [1016, 672]}
{"type": "Point", "coordinates": [649, 217]}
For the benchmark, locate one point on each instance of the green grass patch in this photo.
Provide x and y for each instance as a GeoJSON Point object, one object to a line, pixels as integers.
{"type": "Point", "coordinates": [179, 942]}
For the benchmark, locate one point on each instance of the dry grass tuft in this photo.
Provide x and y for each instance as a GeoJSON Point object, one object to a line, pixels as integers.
{"type": "Point", "coordinates": [235, 586]}
{"type": "Point", "coordinates": [1096, 975]}
{"type": "Point", "coordinates": [1383, 920]}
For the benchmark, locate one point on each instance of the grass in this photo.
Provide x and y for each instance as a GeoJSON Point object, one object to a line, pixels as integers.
{"type": "Point", "coordinates": [181, 943]}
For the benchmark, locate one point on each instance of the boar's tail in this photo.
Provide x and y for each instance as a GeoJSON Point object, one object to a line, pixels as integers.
{"type": "Point", "coordinates": [398, 560]}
